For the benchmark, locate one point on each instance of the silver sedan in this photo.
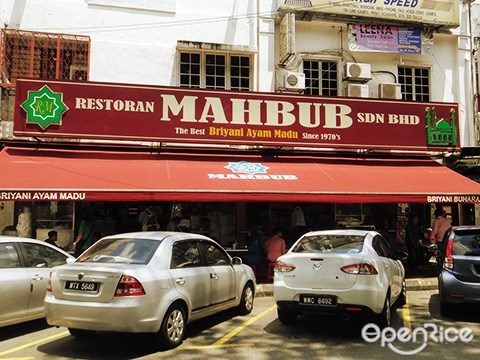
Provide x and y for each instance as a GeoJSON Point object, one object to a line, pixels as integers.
{"type": "Point", "coordinates": [25, 265]}
{"type": "Point", "coordinates": [344, 272]}
{"type": "Point", "coordinates": [150, 282]}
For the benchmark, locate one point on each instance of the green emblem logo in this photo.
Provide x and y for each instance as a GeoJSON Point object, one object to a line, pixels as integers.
{"type": "Point", "coordinates": [439, 131]}
{"type": "Point", "coordinates": [44, 107]}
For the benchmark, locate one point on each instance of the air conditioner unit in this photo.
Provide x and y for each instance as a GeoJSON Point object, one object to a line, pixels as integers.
{"type": "Point", "coordinates": [389, 91]}
{"type": "Point", "coordinates": [358, 90]}
{"type": "Point", "coordinates": [289, 80]}
{"type": "Point", "coordinates": [357, 72]}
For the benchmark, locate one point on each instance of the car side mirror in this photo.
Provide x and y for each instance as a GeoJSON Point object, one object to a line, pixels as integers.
{"type": "Point", "coordinates": [70, 260]}
{"type": "Point", "coordinates": [237, 261]}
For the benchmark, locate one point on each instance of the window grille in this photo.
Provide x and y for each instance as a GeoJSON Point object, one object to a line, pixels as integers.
{"type": "Point", "coordinates": [415, 83]}
{"type": "Point", "coordinates": [43, 55]}
{"type": "Point", "coordinates": [215, 71]}
{"type": "Point", "coordinates": [321, 77]}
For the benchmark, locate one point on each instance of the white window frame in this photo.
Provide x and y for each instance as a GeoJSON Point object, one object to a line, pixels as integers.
{"type": "Point", "coordinates": [414, 80]}
{"type": "Point", "coordinates": [203, 67]}
{"type": "Point", "coordinates": [321, 60]}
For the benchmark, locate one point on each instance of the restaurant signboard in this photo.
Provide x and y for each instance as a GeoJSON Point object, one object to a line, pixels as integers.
{"type": "Point", "coordinates": [107, 111]}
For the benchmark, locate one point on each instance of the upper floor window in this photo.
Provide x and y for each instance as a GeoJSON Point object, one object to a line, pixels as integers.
{"type": "Point", "coordinates": [215, 70]}
{"type": "Point", "coordinates": [415, 82]}
{"type": "Point", "coordinates": [321, 77]}
{"type": "Point", "coordinates": [43, 55]}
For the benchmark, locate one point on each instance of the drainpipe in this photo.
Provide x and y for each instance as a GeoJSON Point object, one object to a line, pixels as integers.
{"type": "Point", "coordinates": [257, 75]}
{"type": "Point", "coordinates": [474, 97]}
{"type": "Point", "coordinates": [473, 77]}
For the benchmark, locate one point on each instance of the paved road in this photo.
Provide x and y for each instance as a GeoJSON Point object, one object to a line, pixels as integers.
{"type": "Point", "coordinates": [257, 336]}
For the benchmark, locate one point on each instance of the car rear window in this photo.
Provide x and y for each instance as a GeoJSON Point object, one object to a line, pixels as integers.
{"type": "Point", "coordinates": [128, 251]}
{"type": "Point", "coordinates": [467, 242]}
{"type": "Point", "coordinates": [330, 243]}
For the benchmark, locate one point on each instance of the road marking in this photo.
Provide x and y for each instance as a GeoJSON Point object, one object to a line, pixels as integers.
{"type": "Point", "coordinates": [406, 316]}
{"type": "Point", "coordinates": [234, 332]}
{"type": "Point", "coordinates": [200, 347]}
{"type": "Point", "coordinates": [231, 334]}
{"type": "Point", "coordinates": [33, 343]}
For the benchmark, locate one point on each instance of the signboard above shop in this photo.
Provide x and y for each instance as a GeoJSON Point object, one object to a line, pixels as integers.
{"type": "Point", "coordinates": [106, 111]}
{"type": "Point", "coordinates": [427, 12]}
{"type": "Point", "coordinates": [384, 38]}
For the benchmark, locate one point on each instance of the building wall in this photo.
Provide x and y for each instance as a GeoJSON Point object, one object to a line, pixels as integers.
{"type": "Point", "coordinates": [136, 41]}
{"type": "Point", "coordinates": [449, 61]}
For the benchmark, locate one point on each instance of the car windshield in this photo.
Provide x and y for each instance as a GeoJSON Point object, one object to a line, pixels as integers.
{"type": "Point", "coordinates": [330, 243]}
{"type": "Point", "coordinates": [467, 243]}
{"type": "Point", "coordinates": [128, 251]}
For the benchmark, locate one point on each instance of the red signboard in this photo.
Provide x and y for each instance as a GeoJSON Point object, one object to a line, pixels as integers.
{"type": "Point", "coordinates": [90, 110]}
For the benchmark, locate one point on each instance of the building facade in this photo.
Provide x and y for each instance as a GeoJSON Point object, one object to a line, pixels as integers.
{"type": "Point", "coordinates": [405, 63]}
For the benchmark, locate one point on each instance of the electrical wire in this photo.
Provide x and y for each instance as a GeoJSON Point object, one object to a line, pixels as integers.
{"type": "Point", "coordinates": [174, 23]}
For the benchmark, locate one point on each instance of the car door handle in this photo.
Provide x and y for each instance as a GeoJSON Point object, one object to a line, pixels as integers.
{"type": "Point", "coordinates": [214, 276]}
{"type": "Point", "coordinates": [37, 278]}
{"type": "Point", "coordinates": [180, 281]}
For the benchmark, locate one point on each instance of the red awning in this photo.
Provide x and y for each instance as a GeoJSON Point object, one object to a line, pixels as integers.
{"type": "Point", "coordinates": [42, 174]}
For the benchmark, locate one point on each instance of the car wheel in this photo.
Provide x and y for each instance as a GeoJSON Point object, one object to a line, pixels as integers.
{"type": "Point", "coordinates": [446, 309]}
{"type": "Point", "coordinates": [173, 326]}
{"type": "Point", "coordinates": [286, 317]}
{"type": "Point", "coordinates": [246, 302]}
{"type": "Point", "coordinates": [81, 334]}
{"type": "Point", "coordinates": [385, 318]}
{"type": "Point", "coordinates": [402, 298]}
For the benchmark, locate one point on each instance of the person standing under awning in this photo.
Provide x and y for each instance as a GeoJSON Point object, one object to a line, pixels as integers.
{"type": "Point", "coordinates": [299, 225]}
{"type": "Point", "coordinates": [439, 226]}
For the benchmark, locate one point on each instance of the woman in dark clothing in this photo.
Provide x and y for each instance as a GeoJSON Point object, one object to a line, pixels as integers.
{"type": "Point", "coordinates": [412, 237]}
{"type": "Point", "coordinates": [255, 253]}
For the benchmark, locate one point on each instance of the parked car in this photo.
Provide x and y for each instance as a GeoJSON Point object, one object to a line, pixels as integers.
{"type": "Point", "coordinates": [149, 282]}
{"type": "Point", "coordinates": [25, 266]}
{"type": "Point", "coordinates": [339, 272]}
{"type": "Point", "coordinates": [459, 268]}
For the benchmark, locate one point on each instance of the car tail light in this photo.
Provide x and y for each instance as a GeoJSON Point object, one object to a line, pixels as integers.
{"type": "Point", "coordinates": [129, 286]}
{"type": "Point", "coordinates": [458, 296]}
{"type": "Point", "coordinates": [360, 269]}
{"type": "Point", "coordinates": [49, 283]}
{"type": "Point", "coordinates": [353, 309]}
{"type": "Point", "coordinates": [283, 267]}
{"type": "Point", "coordinates": [448, 262]}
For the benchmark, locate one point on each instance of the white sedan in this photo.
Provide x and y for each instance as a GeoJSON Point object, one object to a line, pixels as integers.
{"type": "Point", "coordinates": [149, 282]}
{"type": "Point", "coordinates": [25, 266]}
{"type": "Point", "coordinates": [342, 272]}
